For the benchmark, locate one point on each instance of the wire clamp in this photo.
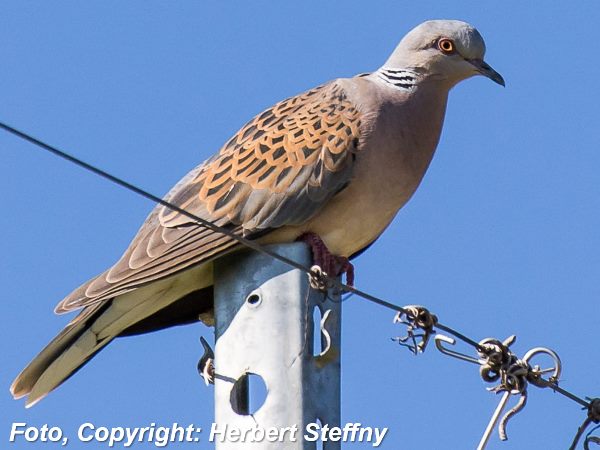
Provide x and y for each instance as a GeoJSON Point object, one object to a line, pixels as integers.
{"type": "Point", "coordinates": [319, 280]}
{"type": "Point", "coordinates": [415, 317]}
{"type": "Point", "coordinates": [498, 363]}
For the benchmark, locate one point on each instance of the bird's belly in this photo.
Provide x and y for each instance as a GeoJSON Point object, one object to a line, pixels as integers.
{"type": "Point", "coordinates": [354, 218]}
{"type": "Point", "coordinates": [350, 223]}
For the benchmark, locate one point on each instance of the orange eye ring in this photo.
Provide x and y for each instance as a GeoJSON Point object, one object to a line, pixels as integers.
{"type": "Point", "coordinates": [446, 46]}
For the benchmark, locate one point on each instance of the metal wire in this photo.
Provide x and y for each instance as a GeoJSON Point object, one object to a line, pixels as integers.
{"type": "Point", "coordinates": [411, 317]}
{"type": "Point", "coordinates": [498, 363]}
{"type": "Point", "coordinates": [199, 220]}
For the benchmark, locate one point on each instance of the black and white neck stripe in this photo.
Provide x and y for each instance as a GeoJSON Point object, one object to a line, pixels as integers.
{"type": "Point", "coordinates": [401, 79]}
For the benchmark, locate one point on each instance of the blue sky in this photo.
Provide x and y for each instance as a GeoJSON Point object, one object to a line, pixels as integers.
{"type": "Point", "coordinates": [501, 238]}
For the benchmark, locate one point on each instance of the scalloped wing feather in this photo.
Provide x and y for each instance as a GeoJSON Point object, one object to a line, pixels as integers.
{"type": "Point", "coordinates": [300, 149]}
{"type": "Point", "coordinates": [278, 170]}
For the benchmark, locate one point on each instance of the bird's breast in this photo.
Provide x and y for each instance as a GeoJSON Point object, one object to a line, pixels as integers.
{"type": "Point", "coordinates": [390, 164]}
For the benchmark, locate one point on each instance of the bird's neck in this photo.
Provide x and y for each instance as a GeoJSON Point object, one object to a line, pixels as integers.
{"type": "Point", "coordinates": [409, 79]}
{"type": "Point", "coordinates": [396, 78]}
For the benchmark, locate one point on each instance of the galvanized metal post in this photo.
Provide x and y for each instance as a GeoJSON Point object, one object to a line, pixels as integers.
{"type": "Point", "coordinates": [264, 326]}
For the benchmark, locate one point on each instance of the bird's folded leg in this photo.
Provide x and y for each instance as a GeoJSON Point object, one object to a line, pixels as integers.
{"type": "Point", "coordinates": [328, 262]}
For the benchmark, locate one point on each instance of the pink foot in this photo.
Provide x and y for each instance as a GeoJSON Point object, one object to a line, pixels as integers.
{"type": "Point", "coordinates": [331, 264]}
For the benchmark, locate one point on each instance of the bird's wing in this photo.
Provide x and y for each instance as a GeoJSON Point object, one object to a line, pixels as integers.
{"type": "Point", "coordinates": [278, 170]}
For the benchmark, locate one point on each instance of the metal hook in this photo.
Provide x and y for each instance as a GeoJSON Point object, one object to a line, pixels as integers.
{"type": "Point", "coordinates": [494, 420]}
{"type": "Point", "coordinates": [511, 412]}
{"type": "Point", "coordinates": [589, 438]}
{"type": "Point", "coordinates": [523, 371]}
{"type": "Point", "coordinates": [206, 366]}
{"type": "Point", "coordinates": [439, 338]}
{"type": "Point", "coordinates": [325, 333]}
{"type": "Point", "coordinates": [593, 417]}
{"type": "Point", "coordinates": [536, 376]}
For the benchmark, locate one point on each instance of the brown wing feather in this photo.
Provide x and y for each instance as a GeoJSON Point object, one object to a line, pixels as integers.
{"type": "Point", "coordinates": [299, 150]}
{"type": "Point", "coordinates": [279, 169]}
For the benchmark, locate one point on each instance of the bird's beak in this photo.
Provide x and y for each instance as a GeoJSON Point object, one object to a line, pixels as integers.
{"type": "Point", "coordinates": [486, 70]}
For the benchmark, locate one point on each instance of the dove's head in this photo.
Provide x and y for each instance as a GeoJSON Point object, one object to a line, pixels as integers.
{"type": "Point", "coordinates": [447, 50]}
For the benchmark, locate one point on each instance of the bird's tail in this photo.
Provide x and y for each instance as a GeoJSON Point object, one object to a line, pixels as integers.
{"type": "Point", "coordinates": [94, 327]}
{"type": "Point", "coordinates": [62, 357]}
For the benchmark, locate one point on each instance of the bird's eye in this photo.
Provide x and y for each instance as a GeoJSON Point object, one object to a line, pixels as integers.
{"type": "Point", "coordinates": [446, 46]}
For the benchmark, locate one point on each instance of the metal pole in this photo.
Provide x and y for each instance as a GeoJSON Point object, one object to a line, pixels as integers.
{"type": "Point", "coordinates": [264, 326]}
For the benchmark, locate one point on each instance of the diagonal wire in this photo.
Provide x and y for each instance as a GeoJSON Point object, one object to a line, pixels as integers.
{"type": "Point", "coordinates": [218, 229]}
{"type": "Point", "coordinates": [199, 220]}
{"type": "Point", "coordinates": [250, 243]}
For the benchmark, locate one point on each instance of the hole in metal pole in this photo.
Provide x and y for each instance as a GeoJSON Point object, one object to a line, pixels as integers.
{"type": "Point", "coordinates": [248, 394]}
{"type": "Point", "coordinates": [317, 335]}
{"type": "Point", "coordinates": [257, 392]}
{"type": "Point", "coordinates": [253, 300]}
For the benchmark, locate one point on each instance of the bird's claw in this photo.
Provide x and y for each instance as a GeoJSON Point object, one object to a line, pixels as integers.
{"type": "Point", "coordinates": [325, 260]}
